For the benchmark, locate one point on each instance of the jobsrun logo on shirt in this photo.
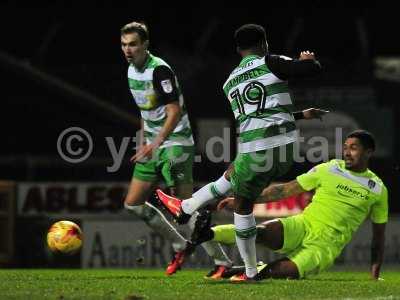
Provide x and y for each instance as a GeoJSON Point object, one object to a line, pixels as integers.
{"type": "Point", "coordinates": [358, 192]}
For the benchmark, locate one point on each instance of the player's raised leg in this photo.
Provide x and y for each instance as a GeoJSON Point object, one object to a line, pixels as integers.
{"type": "Point", "coordinates": [182, 210]}
{"type": "Point", "coordinates": [208, 194]}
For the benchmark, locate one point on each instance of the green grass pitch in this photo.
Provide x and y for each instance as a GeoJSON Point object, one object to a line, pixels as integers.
{"type": "Point", "coordinates": [187, 284]}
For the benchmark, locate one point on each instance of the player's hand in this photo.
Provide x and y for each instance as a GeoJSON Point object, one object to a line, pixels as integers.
{"type": "Point", "coordinates": [314, 113]}
{"type": "Point", "coordinates": [144, 152]}
{"type": "Point", "coordinates": [226, 203]}
{"type": "Point", "coordinates": [306, 55]}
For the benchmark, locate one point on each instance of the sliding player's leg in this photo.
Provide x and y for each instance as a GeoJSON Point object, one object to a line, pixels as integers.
{"type": "Point", "coordinates": [284, 236]}
{"type": "Point", "coordinates": [208, 194]}
{"type": "Point", "coordinates": [269, 234]}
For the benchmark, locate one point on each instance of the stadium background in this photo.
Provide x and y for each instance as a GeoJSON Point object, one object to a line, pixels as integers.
{"type": "Point", "coordinates": [55, 57]}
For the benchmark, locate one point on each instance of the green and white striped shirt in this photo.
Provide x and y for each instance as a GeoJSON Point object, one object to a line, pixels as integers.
{"type": "Point", "coordinates": [149, 93]}
{"type": "Point", "coordinates": [262, 106]}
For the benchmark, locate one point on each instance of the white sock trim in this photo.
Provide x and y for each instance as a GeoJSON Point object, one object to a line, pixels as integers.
{"type": "Point", "coordinates": [244, 221]}
{"type": "Point", "coordinates": [206, 195]}
{"type": "Point", "coordinates": [222, 185]}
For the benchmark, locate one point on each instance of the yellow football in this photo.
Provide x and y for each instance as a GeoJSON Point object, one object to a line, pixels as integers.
{"type": "Point", "coordinates": [64, 237]}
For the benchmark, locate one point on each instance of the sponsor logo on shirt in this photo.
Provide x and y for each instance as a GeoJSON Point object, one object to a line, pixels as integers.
{"type": "Point", "coordinates": [166, 86]}
{"type": "Point", "coordinates": [351, 192]}
{"type": "Point", "coordinates": [368, 183]}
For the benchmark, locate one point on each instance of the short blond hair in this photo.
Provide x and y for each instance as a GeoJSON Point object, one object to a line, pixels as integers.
{"type": "Point", "coordinates": [139, 27]}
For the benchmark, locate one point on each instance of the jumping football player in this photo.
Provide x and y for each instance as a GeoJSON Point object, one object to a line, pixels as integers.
{"type": "Point", "coordinates": [259, 97]}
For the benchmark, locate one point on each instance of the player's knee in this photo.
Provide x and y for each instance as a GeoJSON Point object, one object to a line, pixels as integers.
{"type": "Point", "coordinates": [243, 206]}
{"type": "Point", "coordinates": [270, 234]}
{"type": "Point", "coordinates": [128, 201]}
{"type": "Point", "coordinates": [260, 231]}
{"type": "Point", "coordinates": [229, 172]}
{"type": "Point", "coordinates": [243, 210]}
{"type": "Point", "coordinates": [132, 200]}
{"type": "Point", "coordinates": [182, 191]}
{"type": "Point", "coordinates": [283, 269]}
{"type": "Point", "coordinates": [287, 275]}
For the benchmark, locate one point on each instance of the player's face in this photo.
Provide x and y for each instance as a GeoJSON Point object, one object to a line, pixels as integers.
{"type": "Point", "coordinates": [355, 155]}
{"type": "Point", "coordinates": [134, 49]}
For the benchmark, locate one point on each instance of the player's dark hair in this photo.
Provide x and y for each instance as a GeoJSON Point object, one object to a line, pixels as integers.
{"type": "Point", "coordinates": [365, 137]}
{"type": "Point", "coordinates": [250, 36]}
{"type": "Point", "coordinates": [139, 27]}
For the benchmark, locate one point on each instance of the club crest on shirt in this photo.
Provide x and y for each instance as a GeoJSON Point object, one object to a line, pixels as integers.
{"type": "Point", "coordinates": [166, 86]}
{"type": "Point", "coordinates": [148, 85]}
{"type": "Point", "coordinates": [371, 184]}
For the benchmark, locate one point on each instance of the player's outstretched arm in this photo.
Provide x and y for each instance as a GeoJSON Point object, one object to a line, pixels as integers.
{"type": "Point", "coordinates": [286, 68]}
{"type": "Point", "coordinates": [377, 249]}
{"type": "Point", "coordinates": [310, 113]}
{"type": "Point", "coordinates": [280, 191]}
{"type": "Point", "coordinates": [272, 193]}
